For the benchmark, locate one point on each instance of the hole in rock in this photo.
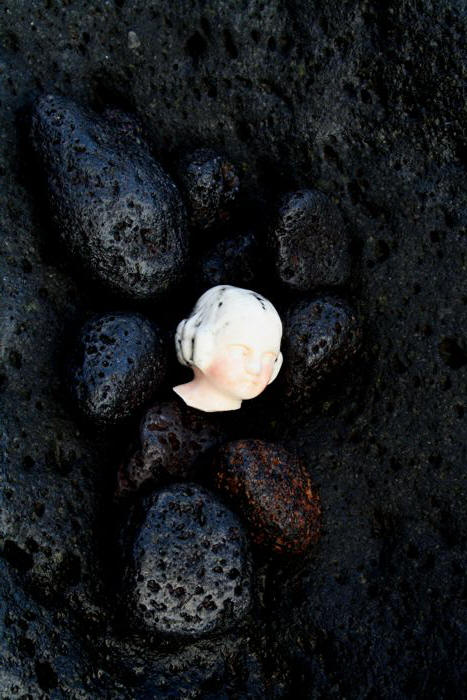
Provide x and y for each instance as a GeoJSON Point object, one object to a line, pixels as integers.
{"type": "Point", "coordinates": [230, 45]}
{"type": "Point", "coordinates": [271, 43]}
{"type": "Point", "coordinates": [15, 358]}
{"type": "Point", "coordinates": [205, 26]}
{"type": "Point", "coordinates": [255, 35]}
{"type": "Point", "coordinates": [28, 462]}
{"type": "Point", "coordinates": [46, 676]}
{"type": "Point", "coordinates": [196, 47]}
{"type": "Point", "coordinates": [452, 353]}
{"type": "Point", "coordinates": [17, 557]}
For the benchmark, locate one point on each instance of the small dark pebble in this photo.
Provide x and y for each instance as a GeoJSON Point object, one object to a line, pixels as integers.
{"type": "Point", "coordinates": [320, 337]}
{"type": "Point", "coordinates": [231, 261]}
{"type": "Point", "coordinates": [190, 570]}
{"type": "Point", "coordinates": [116, 210]}
{"type": "Point", "coordinates": [309, 243]}
{"type": "Point", "coordinates": [209, 184]}
{"type": "Point", "coordinates": [119, 362]}
{"type": "Point", "coordinates": [273, 493]}
{"type": "Point", "coordinates": [174, 440]}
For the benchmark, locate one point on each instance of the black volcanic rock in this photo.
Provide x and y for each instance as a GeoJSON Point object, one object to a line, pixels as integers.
{"type": "Point", "coordinates": [117, 365]}
{"type": "Point", "coordinates": [174, 439]}
{"type": "Point", "coordinates": [310, 246]}
{"type": "Point", "coordinates": [209, 183]}
{"type": "Point", "coordinates": [366, 103]}
{"type": "Point", "coordinates": [233, 260]}
{"type": "Point", "coordinates": [116, 210]}
{"type": "Point", "coordinates": [320, 337]}
{"type": "Point", "coordinates": [190, 567]}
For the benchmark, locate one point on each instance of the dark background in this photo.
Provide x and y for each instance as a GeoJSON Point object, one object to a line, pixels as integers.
{"type": "Point", "coordinates": [364, 101]}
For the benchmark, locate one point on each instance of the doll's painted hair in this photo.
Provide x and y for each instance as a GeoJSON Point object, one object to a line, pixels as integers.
{"type": "Point", "coordinates": [195, 336]}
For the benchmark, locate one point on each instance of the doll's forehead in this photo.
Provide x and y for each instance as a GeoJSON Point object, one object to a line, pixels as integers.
{"type": "Point", "coordinates": [251, 329]}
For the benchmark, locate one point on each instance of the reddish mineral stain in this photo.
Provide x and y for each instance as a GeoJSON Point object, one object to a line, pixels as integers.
{"type": "Point", "coordinates": [273, 492]}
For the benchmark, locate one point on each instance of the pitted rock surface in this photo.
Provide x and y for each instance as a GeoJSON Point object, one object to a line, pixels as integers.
{"type": "Point", "coordinates": [366, 103]}
{"type": "Point", "coordinates": [209, 183]}
{"type": "Point", "coordinates": [320, 337]}
{"type": "Point", "coordinates": [272, 491]}
{"type": "Point", "coordinates": [117, 365]}
{"type": "Point", "coordinates": [234, 260]}
{"type": "Point", "coordinates": [190, 571]}
{"type": "Point", "coordinates": [115, 209]}
{"type": "Point", "coordinates": [310, 246]}
{"type": "Point", "coordinates": [174, 440]}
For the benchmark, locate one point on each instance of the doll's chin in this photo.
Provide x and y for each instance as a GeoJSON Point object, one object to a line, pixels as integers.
{"type": "Point", "coordinates": [243, 395]}
{"type": "Point", "coordinates": [246, 390]}
{"type": "Point", "coordinates": [252, 393]}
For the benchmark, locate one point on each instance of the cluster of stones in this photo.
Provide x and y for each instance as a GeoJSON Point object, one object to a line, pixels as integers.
{"type": "Point", "coordinates": [126, 224]}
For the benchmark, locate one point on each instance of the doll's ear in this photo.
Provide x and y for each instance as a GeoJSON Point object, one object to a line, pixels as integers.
{"type": "Point", "coordinates": [202, 350]}
{"type": "Point", "coordinates": [277, 366]}
{"type": "Point", "coordinates": [194, 345]}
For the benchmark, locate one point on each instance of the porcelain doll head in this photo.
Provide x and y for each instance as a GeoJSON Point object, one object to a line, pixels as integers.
{"type": "Point", "coordinates": [232, 342]}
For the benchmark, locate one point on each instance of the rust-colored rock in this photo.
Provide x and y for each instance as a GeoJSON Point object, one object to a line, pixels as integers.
{"type": "Point", "coordinates": [272, 490]}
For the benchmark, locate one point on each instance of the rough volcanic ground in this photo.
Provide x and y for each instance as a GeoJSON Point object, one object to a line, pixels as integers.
{"type": "Point", "coordinates": [363, 101]}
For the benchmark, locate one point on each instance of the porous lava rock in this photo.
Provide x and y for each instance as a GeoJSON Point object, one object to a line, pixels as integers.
{"type": "Point", "coordinates": [209, 183]}
{"type": "Point", "coordinates": [320, 337]}
{"type": "Point", "coordinates": [366, 102]}
{"type": "Point", "coordinates": [233, 260]}
{"type": "Point", "coordinates": [272, 490]}
{"type": "Point", "coordinates": [115, 208]}
{"type": "Point", "coordinates": [128, 128]}
{"type": "Point", "coordinates": [130, 475]}
{"type": "Point", "coordinates": [309, 243]}
{"type": "Point", "coordinates": [173, 442]}
{"type": "Point", "coordinates": [117, 365]}
{"type": "Point", "coordinates": [190, 571]}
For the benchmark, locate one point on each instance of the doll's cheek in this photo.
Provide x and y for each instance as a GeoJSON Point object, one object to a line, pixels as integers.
{"type": "Point", "coordinates": [223, 371]}
{"type": "Point", "coordinates": [219, 371]}
{"type": "Point", "coordinates": [216, 370]}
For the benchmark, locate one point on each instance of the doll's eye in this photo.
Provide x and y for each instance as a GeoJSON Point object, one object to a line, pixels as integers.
{"type": "Point", "coordinates": [271, 356]}
{"type": "Point", "coordinates": [240, 349]}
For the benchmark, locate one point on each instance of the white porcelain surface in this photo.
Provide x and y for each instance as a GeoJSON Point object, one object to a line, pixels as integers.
{"type": "Point", "coordinates": [231, 340]}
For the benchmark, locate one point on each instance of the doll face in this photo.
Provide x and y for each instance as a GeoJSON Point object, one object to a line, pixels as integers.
{"type": "Point", "coordinates": [245, 354]}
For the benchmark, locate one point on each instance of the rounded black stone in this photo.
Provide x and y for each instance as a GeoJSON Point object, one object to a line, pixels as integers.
{"type": "Point", "coordinates": [116, 210]}
{"type": "Point", "coordinates": [308, 241]}
{"type": "Point", "coordinates": [174, 439]}
{"type": "Point", "coordinates": [272, 490]}
{"type": "Point", "coordinates": [210, 184]}
{"type": "Point", "coordinates": [190, 567]}
{"type": "Point", "coordinates": [119, 363]}
{"type": "Point", "coordinates": [320, 337]}
{"type": "Point", "coordinates": [232, 261]}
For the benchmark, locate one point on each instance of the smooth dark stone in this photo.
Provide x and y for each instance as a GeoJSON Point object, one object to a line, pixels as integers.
{"type": "Point", "coordinates": [115, 209]}
{"type": "Point", "coordinates": [190, 567]}
{"type": "Point", "coordinates": [118, 364]}
{"type": "Point", "coordinates": [272, 491]}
